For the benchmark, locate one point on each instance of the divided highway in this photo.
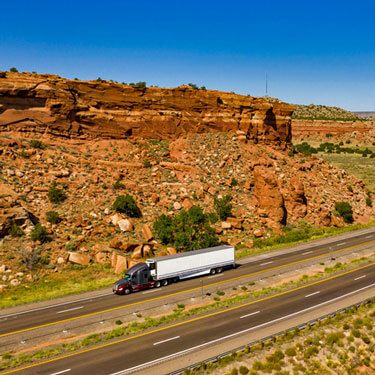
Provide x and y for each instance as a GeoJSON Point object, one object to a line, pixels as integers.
{"type": "Point", "coordinates": [28, 320]}
{"type": "Point", "coordinates": [147, 348]}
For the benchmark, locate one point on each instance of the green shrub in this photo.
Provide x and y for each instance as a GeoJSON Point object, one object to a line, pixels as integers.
{"type": "Point", "coordinates": [147, 163]}
{"type": "Point", "coordinates": [290, 352]}
{"type": "Point", "coordinates": [138, 85]}
{"type": "Point", "coordinates": [243, 370]}
{"type": "Point", "coordinates": [55, 194]}
{"type": "Point", "coordinates": [39, 233]}
{"type": "Point", "coordinates": [15, 230]}
{"type": "Point", "coordinates": [13, 70]}
{"type": "Point", "coordinates": [223, 207]}
{"type": "Point", "coordinates": [118, 185]}
{"type": "Point", "coordinates": [53, 217]}
{"type": "Point", "coordinates": [233, 182]}
{"type": "Point", "coordinates": [368, 201]}
{"type": "Point", "coordinates": [126, 204]}
{"type": "Point", "coordinates": [344, 209]}
{"type": "Point", "coordinates": [34, 143]}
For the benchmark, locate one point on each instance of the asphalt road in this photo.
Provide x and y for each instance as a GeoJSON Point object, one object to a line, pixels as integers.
{"type": "Point", "coordinates": [199, 332]}
{"type": "Point", "coordinates": [50, 315]}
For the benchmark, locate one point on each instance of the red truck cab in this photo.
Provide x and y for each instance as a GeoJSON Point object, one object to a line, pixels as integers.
{"type": "Point", "coordinates": [136, 278]}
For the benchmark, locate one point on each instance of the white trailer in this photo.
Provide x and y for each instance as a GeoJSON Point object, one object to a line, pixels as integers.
{"type": "Point", "coordinates": [191, 263]}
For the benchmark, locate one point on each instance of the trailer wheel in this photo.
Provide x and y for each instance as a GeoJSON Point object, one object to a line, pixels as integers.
{"type": "Point", "coordinates": [219, 270]}
{"type": "Point", "coordinates": [212, 271]}
{"type": "Point", "coordinates": [164, 282]}
{"type": "Point", "coordinates": [157, 284]}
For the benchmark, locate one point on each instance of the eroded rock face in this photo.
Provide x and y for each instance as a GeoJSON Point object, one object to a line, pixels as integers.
{"type": "Point", "coordinates": [268, 195]}
{"type": "Point", "coordinates": [295, 199]}
{"type": "Point", "coordinates": [51, 105]}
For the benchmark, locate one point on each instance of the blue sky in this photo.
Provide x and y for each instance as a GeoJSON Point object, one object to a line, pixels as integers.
{"type": "Point", "coordinates": [320, 52]}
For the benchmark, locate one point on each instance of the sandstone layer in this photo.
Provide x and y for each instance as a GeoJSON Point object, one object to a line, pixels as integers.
{"type": "Point", "coordinates": [46, 104]}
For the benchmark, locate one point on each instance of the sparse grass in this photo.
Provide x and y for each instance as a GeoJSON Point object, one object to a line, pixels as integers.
{"type": "Point", "coordinates": [73, 279]}
{"type": "Point", "coordinates": [363, 168]}
{"type": "Point", "coordinates": [295, 236]}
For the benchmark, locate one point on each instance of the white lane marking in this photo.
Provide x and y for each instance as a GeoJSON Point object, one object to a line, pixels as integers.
{"type": "Point", "coordinates": [253, 313]}
{"type": "Point", "coordinates": [312, 294]}
{"type": "Point", "coordinates": [307, 252]}
{"type": "Point", "coordinates": [360, 277]}
{"type": "Point", "coordinates": [72, 309]}
{"type": "Point", "coordinates": [61, 372]}
{"type": "Point", "coordinates": [264, 264]}
{"type": "Point", "coordinates": [163, 341]}
{"type": "Point", "coordinates": [217, 275]}
{"type": "Point", "coordinates": [368, 236]}
{"type": "Point", "coordinates": [56, 305]}
{"type": "Point", "coordinates": [153, 291]}
{"type": "Point", "coordinates": [341, 243]}
{"type": "Point", "coordinates": [158, 360]}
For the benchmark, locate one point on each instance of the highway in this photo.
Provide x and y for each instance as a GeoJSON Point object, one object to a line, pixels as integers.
{"type": "Point", "coordinates": [27, 320]}
{"type": "Point", "coordinates": [147, 348]}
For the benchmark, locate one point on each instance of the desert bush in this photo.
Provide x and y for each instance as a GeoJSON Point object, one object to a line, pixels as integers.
{"type": "Point", "coordinates": [35, 143]}
{"type": "Point", "coordinates": [344, 209]}
{"type": "Point", "coordinates": [138, 85]}
{"type": "Point", "coordinates": [29, 258]}
{"type": "Point", "coordinates": [187, 230]}
{"type": "Point", "coordinates": [368, 201]}
{"type": "Point", "coordinates": [118, 185]}
{"type": "Point", "coordinates": [53, 217]}
{"type": "Point", "coordinates": [15, 230]}
{"type": "Point", "coordinates": [147, 163]}
{"type": "Point", "coordinates": [13, 70]}
{"type": "Point", "coordinates": [290, 352]}
{"type": "Point", "coordinates": [223, 207]}
{"type": "Point", "coordinates": [39, 233]}
{"type": "Point", "coordinates": [126, 204]}
{"type": "Point", "coordinates": [55, 194]}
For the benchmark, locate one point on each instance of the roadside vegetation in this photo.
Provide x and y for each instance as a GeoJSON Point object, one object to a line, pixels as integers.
{"type": "Point", "coordinates": [244, 294]}
{"type": "Point", "coordinates": [343, 344]}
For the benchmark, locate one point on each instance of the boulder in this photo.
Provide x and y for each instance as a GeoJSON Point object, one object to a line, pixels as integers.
{"type": "Point", "coordinates": [101, 257]}
{"type": "Point", "coordinates": [147, 233]}
{"type": "Point", "coordinates": [121, 264]}
{"type": "Point", "coordinates": [147, 251]}
{"type": "Point", "coordinates": [235, 222]}
{"type": "Point", "coordinates": [78, 258]}
{"type": "Point", "coordinates": [171, 250]}
{"type": "Point", "coordinates": [295, 199]}
{"type": "Point", "coordinates": [226, 225]}
{"type": "Point", "coordinates": [177, 206]}
{"type": "Point", "coordinates": [15, 282]}
{"type": "Point", "coordinates": [187, 204]}
{"type": "Point", "coordinates": [125, 225]}
{"type": "Point", "coordinates": [258, 233]}
{"type": "Point", "coordinates": [137, 253]}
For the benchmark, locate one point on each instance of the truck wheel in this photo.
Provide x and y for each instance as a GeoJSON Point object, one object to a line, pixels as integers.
{"type": "Point", "coordinates": [157, 284]}
{"type": "Point", "coordinates": [165, 282]}
{"type": "Point", "coordinates": [213, 271]}
{"type": "Point", "coordinates": [127, 291]}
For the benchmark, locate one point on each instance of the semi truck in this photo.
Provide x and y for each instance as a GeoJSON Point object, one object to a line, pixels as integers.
{"type": "Point", "coordinates": [163, 270]}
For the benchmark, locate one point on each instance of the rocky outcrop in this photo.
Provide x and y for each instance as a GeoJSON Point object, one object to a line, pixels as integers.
{"type": "Point", "coordinates": [295, 199]}
{"type": "Point", "coordinates": [330, 130]}
{"type": "Point", "coordinates": [268, 195]}
{"type": "Point", "coordinates": [47, 104]}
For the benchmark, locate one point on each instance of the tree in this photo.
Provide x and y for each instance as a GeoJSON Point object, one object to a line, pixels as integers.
{"type": "Point", "coordinates": [13, 70]}
{"type": "Point", "coordinates": [187, 230]}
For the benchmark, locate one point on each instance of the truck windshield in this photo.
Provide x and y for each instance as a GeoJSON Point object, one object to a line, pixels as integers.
{"type": "Point", "coordinates": [152, 265]}
{"type": "Point", "coordinates": [127, 277]}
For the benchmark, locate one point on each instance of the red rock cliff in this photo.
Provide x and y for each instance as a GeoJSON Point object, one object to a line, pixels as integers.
{"type": "Point", "coordinates": [47, 104]}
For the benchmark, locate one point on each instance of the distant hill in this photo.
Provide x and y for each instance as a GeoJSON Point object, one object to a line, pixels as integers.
{"type": "Point", "coordinates": [322, 112]}
{"type": "Point", "coordinates": [365, 114]}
